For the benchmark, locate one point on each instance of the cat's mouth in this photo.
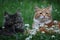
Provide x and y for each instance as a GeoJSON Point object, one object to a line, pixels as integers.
{"type": "Point", "coordinates": [43, 17]}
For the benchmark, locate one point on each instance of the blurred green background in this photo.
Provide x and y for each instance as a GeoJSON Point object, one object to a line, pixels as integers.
{"type": "Point", "coordinates": [27, 9]}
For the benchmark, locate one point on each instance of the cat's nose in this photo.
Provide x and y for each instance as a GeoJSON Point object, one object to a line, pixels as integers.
{"type": "Point", "coordinates": [43, 16]}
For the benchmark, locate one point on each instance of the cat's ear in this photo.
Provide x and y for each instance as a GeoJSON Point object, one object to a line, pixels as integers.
{"type": "Point", "coordinates": [49, 8]}
{"type": "Point", "coordinates": [37, 8]}
{"type": "Point", "coordinates": [5, 13]}
{"type": "Point", "coordinates": [18, 12]}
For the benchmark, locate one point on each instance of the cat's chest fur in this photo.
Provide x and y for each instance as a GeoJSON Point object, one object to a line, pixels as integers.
{"type": "Point", "coordinates": [43, 22]}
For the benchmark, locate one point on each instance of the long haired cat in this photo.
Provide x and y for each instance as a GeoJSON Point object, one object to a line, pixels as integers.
{"type": "Point", "coordinates": [42, 17]}
{"type": "Point", "coordinates": [13, 23]}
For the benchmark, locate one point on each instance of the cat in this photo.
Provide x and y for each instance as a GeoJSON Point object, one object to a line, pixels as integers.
{"type": "Point", "coordinates": [43, 17]}
{"type": "Point", "coordinates": [13, 23]}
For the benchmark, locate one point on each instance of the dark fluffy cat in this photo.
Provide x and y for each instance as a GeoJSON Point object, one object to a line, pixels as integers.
{"type": "Point", "coordinates": [13, 23]}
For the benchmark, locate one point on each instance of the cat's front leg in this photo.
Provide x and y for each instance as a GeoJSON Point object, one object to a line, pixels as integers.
{"type": "Point", "coordinates": [42, 28]}
{"type": "Point", "coordinates": [35, 26]}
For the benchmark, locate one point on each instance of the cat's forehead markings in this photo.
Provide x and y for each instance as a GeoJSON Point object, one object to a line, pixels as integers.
{"type": "Point", "coordinates": [43, 10]}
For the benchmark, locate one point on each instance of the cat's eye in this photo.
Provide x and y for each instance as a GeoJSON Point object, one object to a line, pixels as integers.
{"type": "Point", "coordinates": [46, 13]}
{"type": "Point", "coordinates": [40, 13]}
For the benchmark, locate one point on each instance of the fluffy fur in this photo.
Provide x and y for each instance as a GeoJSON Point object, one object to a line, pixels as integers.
{"type": "Point", "coordinates": [43, 17]}
{"type": "Point", "coordinates": [12, 23]}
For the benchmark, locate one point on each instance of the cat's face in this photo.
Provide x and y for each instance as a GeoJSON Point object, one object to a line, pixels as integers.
{"type": "Point", "coordinates": [12, 18]}
{"type": "Point", "coordinates": [44, 13]}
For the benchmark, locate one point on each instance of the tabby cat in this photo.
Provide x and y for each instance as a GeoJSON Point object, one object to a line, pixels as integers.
{"type": "Point", "coordinates": [12, 23]}
{"type": "Point", "coordinates": [43, 17]}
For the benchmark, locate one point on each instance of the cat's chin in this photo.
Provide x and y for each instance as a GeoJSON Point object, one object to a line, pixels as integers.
{"type": "Point", "coordinates": [41, 17]}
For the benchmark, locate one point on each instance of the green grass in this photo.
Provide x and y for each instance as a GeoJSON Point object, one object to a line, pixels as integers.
{"type": "Point", "coordinates": [27, 9]}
